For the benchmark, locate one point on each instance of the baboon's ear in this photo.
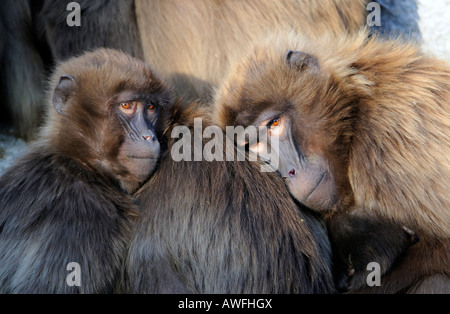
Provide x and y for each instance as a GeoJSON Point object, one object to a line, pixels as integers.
{"type": "Point", "coordinates": [301, 60]}
{"type": "Point", "coordinates": [62, 92]}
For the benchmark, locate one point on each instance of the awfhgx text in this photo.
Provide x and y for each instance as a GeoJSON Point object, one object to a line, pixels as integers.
{"type": "Point", "coordinates": [247, 304]}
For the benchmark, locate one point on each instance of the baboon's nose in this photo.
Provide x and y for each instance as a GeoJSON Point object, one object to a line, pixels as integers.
{"type": "Point", "coordinates": [148, 138]}
{"type": "Point", "coordinates": [148, 135]}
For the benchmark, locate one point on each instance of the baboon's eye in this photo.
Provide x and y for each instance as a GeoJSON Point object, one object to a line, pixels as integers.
{"type": "Point", "coordinates": [274, 123]}
{"type": "Point", "coordinates": [128, 107]}
{"type": "Point", "coordinates": [151, 107]}
{"type": "Point", "coordinates": [276, 126]}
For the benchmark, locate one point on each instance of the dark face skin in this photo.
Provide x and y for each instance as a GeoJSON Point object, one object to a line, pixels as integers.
{"type": "Point", "coordinates": [140, 149]}
{"type": "Point", "coordinates": [307, 175]}
{"type": "Point", "coordinates": [124, 129]}
{"type": "Point", "coordinates": [302, 163]}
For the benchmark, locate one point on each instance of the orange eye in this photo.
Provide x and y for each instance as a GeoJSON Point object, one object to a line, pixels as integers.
{"type": "Point", "coordinates": [273, 123]}
{"type": "Point", "coordinates": [126, 105]}
{"type": "Point", "coordinates": [151, 107]}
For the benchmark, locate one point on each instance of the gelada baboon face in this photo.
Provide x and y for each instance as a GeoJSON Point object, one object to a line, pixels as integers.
{"type": "Point", "coordinates": [287, 94]}
{"type": "Point", "coordinates": [106, 113]}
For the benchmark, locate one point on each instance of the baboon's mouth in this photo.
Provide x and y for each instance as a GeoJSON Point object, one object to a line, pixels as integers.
{"type": "Point", "coordinates": [143, 157]}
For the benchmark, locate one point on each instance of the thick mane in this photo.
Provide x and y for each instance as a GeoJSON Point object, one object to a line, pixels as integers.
{"type": "Point", "coordinates": [362, 98]}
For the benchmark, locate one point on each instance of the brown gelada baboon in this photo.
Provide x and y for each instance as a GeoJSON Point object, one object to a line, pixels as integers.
{"type": "Point", "coordinates": [224, 227]}
{"type": "Point", "coordinates": [364, 138]}
{"type": "Point", "coordinates": [67, 200]}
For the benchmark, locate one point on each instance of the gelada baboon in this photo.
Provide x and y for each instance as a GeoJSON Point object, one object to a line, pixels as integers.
{"type": "Point", "coordinates": [188, 41]}
{"type": "Point", "coordinates": [224, 227]}
{"type": "Point", "coordinates": [363, 128]}
{"type": "Point", "coordinates": [67, 200]}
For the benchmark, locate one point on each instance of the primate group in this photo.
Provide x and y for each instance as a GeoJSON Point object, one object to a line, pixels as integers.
{"type": "Point", "coordinates": [361, 121]}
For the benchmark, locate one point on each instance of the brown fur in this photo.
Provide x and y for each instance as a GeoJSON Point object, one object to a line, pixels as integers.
{"type": "Point", "coordinates": [90, 123]}
{"type": "Point", "coordinates": [192, 42]}
{"type": "Point", "coordinates": [189, 42]}
{"type": "Point", "coordinates": [225, 227]}
{"type": "Point", "coordinates": [378, 110]}
{"type": "Point", "coordinates": [437, 284]}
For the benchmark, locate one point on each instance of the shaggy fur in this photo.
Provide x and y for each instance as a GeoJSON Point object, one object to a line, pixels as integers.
{"type": "Point", "coordinates": [187, 41]}
{"type": "Point", "coordinates": [229, 229]}
{"type": "Point", "coordinates": [378, 110]}
{"type": "Point", "coordinates": [64, 201]}
{"type": "Point", "coordinates": [191, 42]}
{"type": "Point", "coordinates": [110, 24]}
{"type": "Point", "coordinates": [22, 79]}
